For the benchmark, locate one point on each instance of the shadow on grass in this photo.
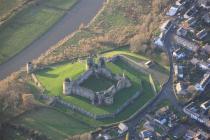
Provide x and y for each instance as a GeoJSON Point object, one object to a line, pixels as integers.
{"type": "Point", "coordinates": [44, 74]}
{"type": "Point", "coordinates": [159, 68]}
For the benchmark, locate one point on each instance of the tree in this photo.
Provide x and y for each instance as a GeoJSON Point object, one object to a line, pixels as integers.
{"type": "Point", "coordinates": [139, 43]}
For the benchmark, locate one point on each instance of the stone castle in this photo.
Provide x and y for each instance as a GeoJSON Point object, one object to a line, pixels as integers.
{"type": "Point", "coordinates": [105, 97]}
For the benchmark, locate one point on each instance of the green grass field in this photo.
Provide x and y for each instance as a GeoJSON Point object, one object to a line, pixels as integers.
{"type": "Point", "coordinates": [103, 83]}
{"type": "Point", "coordinates": [71, 122]}
{"type": "Point", "coordinates": [29, 24]}
{"type": "Point", "coordinates": [7, 5]}
{"type": "Point", "coordinates": [52, 80]}
{"type": "Point", "coordinates": [53, 123]}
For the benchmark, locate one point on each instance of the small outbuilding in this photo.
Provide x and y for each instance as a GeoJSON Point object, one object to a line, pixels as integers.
{"type": "Point", "coordinates": [122, 128]}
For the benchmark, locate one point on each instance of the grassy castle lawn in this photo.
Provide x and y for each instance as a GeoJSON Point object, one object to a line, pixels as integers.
{"type": "Point", "coordinates": [71, 122]}
{"type": "Point", "coordinates": [98, 83]}
{"type": "Point", "coordinates": [52, 80]}
{"type": "Point", "coordinates": [55, 124]}
{"type": "Point", "coordinates": [29, 24]}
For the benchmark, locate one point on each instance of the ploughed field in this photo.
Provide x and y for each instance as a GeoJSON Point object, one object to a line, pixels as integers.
{"type": "Point", "coordinates": [29, 24]}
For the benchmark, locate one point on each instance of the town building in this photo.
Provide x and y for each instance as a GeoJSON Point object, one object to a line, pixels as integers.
{"type": "Point", "coordinates": [196, 113]}
{"type": "Point", "coordinates": [167, 25]}
{"type": "Point", "coordinates": [204, 82]}
{"type": "Point", "coordinates": [148, 135]}
{"type": "Point", "coordinates": [122, 128]}
{"type": "Point", "coordinates": [202, 34]}
{"type": "Point", "coordinates": [179, 72]}
{"type": "Point", "coordinates": [196, 135]}
{"type": "Point", "coordinates": [189, 45]}
{"type": "Point", "coordinates": [179, 54]}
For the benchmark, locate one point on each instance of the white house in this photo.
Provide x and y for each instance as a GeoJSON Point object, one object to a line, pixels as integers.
{"type": "Point", "coordinates": [179, 54]}
{"type": "Point", "coordinates": [173, 10]}
{"type": "Point", "coordinates": [166, 26]}
{"type": "Point", "coordinates": [122, 128]}
{"type": "Point", "coordinates": [204, 82]}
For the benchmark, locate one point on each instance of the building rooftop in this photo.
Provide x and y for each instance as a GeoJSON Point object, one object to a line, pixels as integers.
{"type": "Point", "coordinates": [192, 46]}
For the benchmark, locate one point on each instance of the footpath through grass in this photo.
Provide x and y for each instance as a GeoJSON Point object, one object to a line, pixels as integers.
{"type": "Point", "coordinates": [29, 24]}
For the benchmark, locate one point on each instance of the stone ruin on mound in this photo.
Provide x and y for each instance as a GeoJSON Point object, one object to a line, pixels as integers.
{"type": "Point", "coordinates": [105, 97]}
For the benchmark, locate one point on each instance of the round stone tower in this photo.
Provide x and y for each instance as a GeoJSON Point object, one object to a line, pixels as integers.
{"type": "Point", "coordinates": [29, 67]}
{"type": "Point", "coordinates": [67, 86]}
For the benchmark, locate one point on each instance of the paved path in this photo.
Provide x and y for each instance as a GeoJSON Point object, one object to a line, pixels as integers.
{"type": "Point", "coordinates": [82, 12]}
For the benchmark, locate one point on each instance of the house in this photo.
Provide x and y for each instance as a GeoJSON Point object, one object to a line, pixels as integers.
{"type": "Point", "coordinates": [192, 21]}
{"type": "Point", "coordinates": [196, 135]}
{"type": "Point", "coordinates": [204, 66]}
{"type": "Point", "coordinates": [148, 135]}
{"type": "Point", "coordinates": [189, 45]}
{"type": "Point", "coordinates": [208, 61]}
{"type": "Point", "coordinates": [173, 10]}
{"type": "Point", "coordinates": [180, 90]}
{"type": "Point", "coordinates": [202, 34]}
{"type": "Point", "coordinates": [193, 112]}
{"type": "Point", "coordinates": [179, 72]}
{"type": "Point", "coordinates": [201, 64]}
{"type": "Point", "coordinates": [149, 64]}
{"type": "Point", "coordinates": [164, 116]}
{"type": "Point", "coordinates": [204, 82]}
{"type": "Point", "coordinates": [206, 18]}
{"type": "Point", "coordinates": [179, 54]}
{"type": "Point", "coordinates": [159, 41]}
{"type": "Point", "coordinates": [180, 2]}
{"type": "Point", "coordinates": [147, 125]}
{"type": "Point", "coordinates": [181, 32]}
{"type": "Point", "coordinates": [191, 12]}
{"type": "Point", "coordinates": [206, 105]}
{"type": "Point", "coordinates": [195, 61]}
{"type": "Point", "coordinates": [122, 128]}
{"type": "Point", "coordinates": [206, 48]}
{"type": "Point", "coordinates": [166, 26]}
{"type": "Point", "coordinates": [104, 137]}
{"type": "Point", "coordinates": [205, 3]}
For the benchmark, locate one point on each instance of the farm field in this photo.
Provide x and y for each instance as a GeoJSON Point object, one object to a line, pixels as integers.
{"type": "Point", "coordinates": [58, 126]}
{"type": "Point", "coordinates": [29, 24]}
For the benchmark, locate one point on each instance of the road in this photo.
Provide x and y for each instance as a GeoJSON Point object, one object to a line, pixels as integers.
{"type": "Point", "coordinates": [82, 12]}
{"type": "Point", "coordinates": [167, 92]}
